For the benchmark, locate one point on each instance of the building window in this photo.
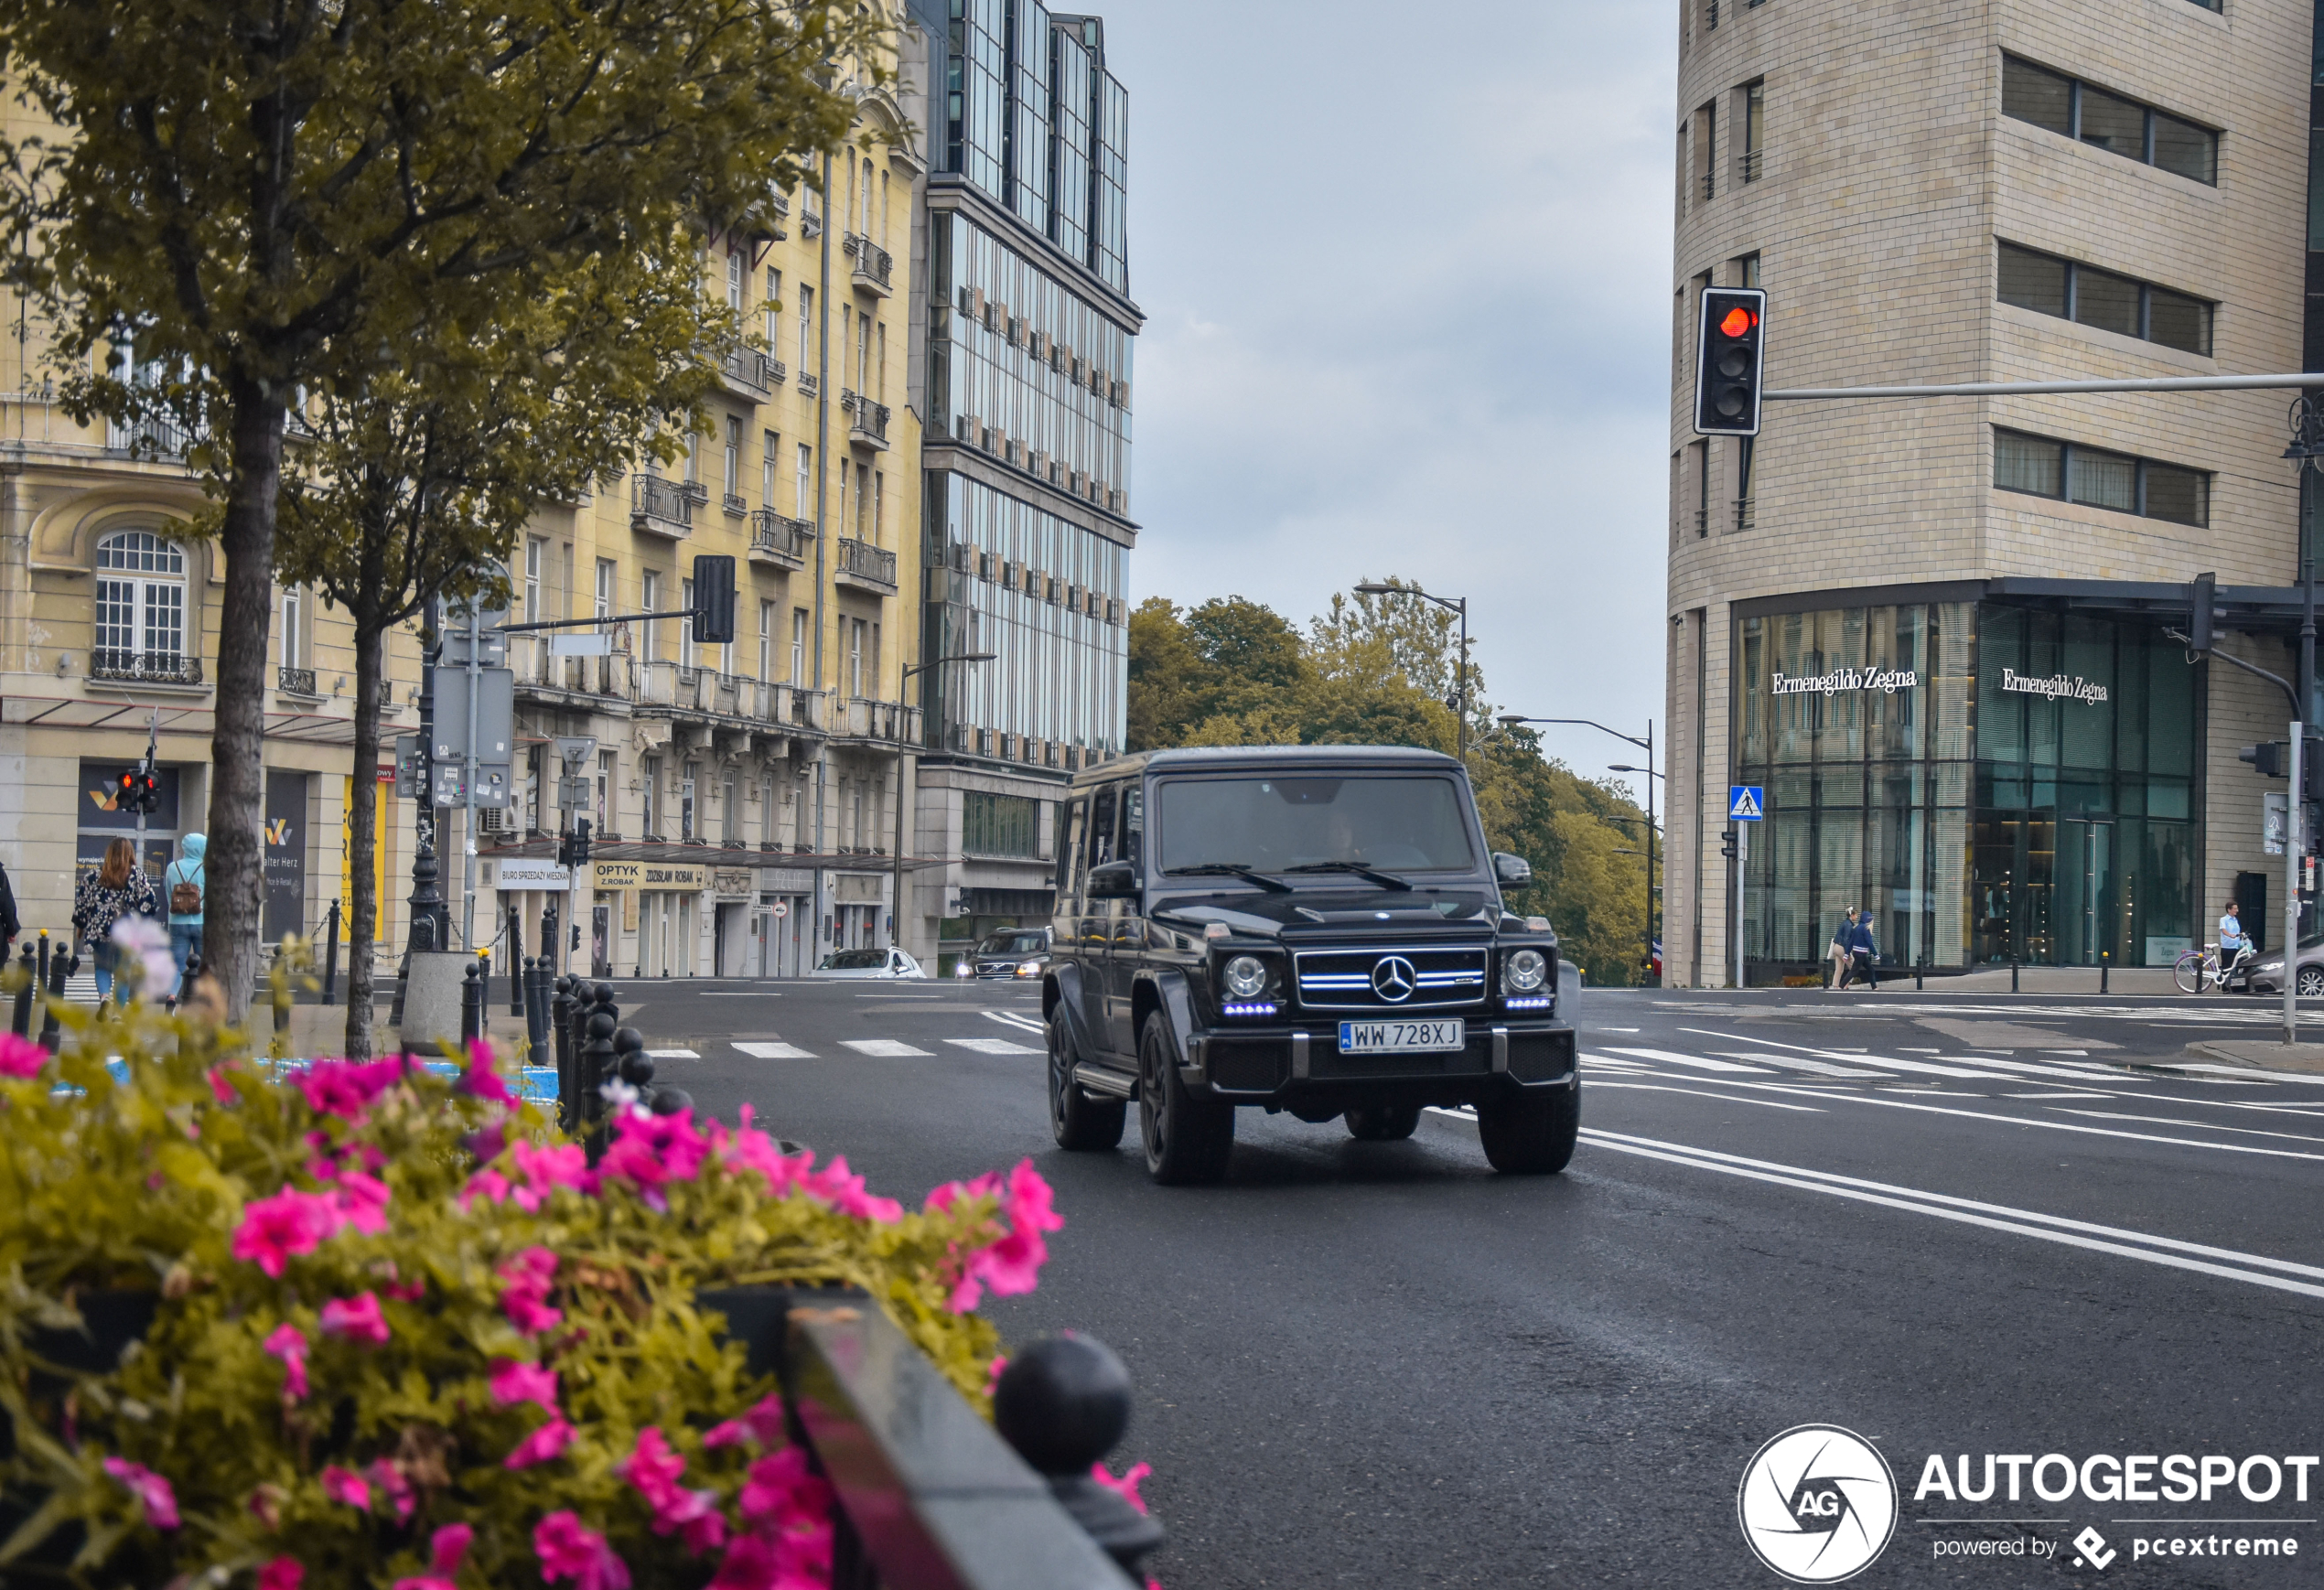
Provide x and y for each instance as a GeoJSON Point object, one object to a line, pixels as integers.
{"type": "Point", "coordinates": [2098, 478]}
{"type": "Point", "coordinates": [734, 279]}
{"type": "Point", "coordinates": [766, 642]}
{"type": "Point", "coordinates": [141, 599]}
{"type": "Point", "coordinates": [800, 497]}
{"type": "Point", "coordinates": [2089, 115]}
{"type": "Point", "coordinates": [685, 628]}
{"type": "Point", "coordinates": [854, 657]}
{"type": "Point", "coordinates": [999, 824]}
{"type": "Point", "coordinates": [1751, 165]}
{"type": "Point", "coordinates": [650, 775]}
{"type": "Point", "coordinates": [806, 330]}
{"type": "Point", "coordinates": [294, 630]}
{"type": "Point", "coordinates": [601, 606]}
{"type": "Point", "coordinates": [2072, 291]}
{"type": "Point", "coordinates": [1746, 271]}
{"type": "Point", "coordinates": [534, 548]}
{"type": "Point", "coordinates": [768, 454]}
{"type": "Point", "coordinates": [650, 596]}
{"type": "Point", "coordinates": [798, 645]}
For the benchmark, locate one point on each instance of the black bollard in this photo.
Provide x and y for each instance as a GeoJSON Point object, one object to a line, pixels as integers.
{"type": "Point", "coordinates": [516, 960]}
{"type": "Point", "coordinates": [552, 952]}
{"type": "Point", "coordinates": [472, 1003]}
{"type": "Point", "coordinates": [561, 1027]}
{"type": "Point", "coordinates": [44, 960]}
{"type": "Point", "coordinates": [597, 1060]}
{"type": "Point", "coordinates": [2013, 974]}
{"type": "Point", "coordinates": [20, 1023]}
{"type": "Point", "coordinates": [1919, 968]}
{"type": "Point", "coordinates": [632, 1063]}
{"type": "Point", "coordinates": [1064, 1403]}
{"type": "Point", "coordinates": [330, 957]}
{"type": "Point", "coordinates": [2106, 964]}
{"type": "Point", "coordinates": [60, 966]}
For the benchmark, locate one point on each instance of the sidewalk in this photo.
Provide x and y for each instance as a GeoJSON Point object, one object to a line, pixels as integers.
{"type": "Point", "coordinates": [2260, 1054]}
{"type": "Point", "coordinates": [320, 1030]}
{"type": "Point", "coordinates": [2051, 980]}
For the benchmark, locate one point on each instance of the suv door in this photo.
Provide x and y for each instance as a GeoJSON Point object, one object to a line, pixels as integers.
{"type": "Point", "coordinates": [1093, 940]}
{"type": "Point", "coordinates": [1126, 953]}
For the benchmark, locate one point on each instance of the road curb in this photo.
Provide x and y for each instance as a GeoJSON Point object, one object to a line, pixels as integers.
{"type": "Point", "coordinates": [2292, 1059]}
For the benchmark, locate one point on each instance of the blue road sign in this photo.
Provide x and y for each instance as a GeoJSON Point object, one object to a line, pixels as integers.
{"type": "Point", "coordinates": [1746, 802]}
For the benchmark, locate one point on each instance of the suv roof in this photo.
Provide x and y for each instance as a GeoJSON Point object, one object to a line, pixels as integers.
{"type": "Point", "coordinates": [1196, 757]}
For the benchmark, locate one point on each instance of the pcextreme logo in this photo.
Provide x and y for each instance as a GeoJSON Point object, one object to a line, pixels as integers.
{"type": "Point", "coordinates": [1818, 1504]}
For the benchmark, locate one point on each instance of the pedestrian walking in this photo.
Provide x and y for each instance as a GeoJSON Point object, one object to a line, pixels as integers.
{"type": "Point", "coordinates": [1863, 955]}
{"type": "Point", "coordinates": [1837, 953]}
{"type": "Point", "coordinates": [118, 888]}
{"type": "Point", "coordinates": [188, 884]}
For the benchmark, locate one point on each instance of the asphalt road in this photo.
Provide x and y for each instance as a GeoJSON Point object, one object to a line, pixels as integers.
{"type": "Point", "coordinates": [1953, 1225]}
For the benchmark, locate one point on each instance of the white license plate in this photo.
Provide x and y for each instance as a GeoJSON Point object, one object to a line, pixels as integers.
{"type": "Point", "coordinates": [1402, 1038]}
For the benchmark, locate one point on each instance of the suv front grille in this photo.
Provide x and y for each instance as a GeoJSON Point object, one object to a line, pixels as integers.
{"type": "Point", "coordinates": [1362, 979]}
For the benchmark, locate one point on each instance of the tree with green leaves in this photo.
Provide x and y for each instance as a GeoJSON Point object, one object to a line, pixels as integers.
{"type": "Point", "coordinates": [420, 486]}
{"type": "Point", "coordinates": [278, 195]}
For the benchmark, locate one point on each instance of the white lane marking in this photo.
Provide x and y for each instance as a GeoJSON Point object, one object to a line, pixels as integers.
{"type": "Point", "coordinates": [2065, 1051]}
{"type": "Point", "coordinates": [758, 1049]}
{"type": "Point", "coordinates": [2063, 1096]}
{"type": "Point", "coordinates": [1802, 1063]}
{"type": "Point", "coordinates": [2033, 1069]}
{"type": "Point", "coordinates": [672, 1055]}
{"type": "Point", "coordinates": [992, 1046]}
{"type": "Point", "coordinates": [1697, 1061]}
{"type": "Point", "coordinates": [1969, 1209]}
{"type": "Point", "coordinates": [1742, 1038]}
{"type": "Point", "coordinates": [2199, 1125]}
{"type": "Point", "coordinates": [1017, 1019]}
{"type": "Point", "coordinates": [1926, 1068]}
{"type": "Point", "coordinates": [2242, 1073]}
{"type": "Point", "coordinates": [886, 1049]}
{"type": "Point", "coordinates": [1721, 1098]}
{"type": "Point", "coordinates": [1614, 1029]}
{"type": "Point", "coordinates": [2057, 1126]}
{"type": "Point", "coordinates": [737, 994]}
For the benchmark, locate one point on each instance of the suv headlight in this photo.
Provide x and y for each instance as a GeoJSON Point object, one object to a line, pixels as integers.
{"type": "Point", "coordinates": [1030, 968]}
{"type": "Point", "coordinates": [1246, 977]}
{"type": "Point", "coordinates": [1523, 972]}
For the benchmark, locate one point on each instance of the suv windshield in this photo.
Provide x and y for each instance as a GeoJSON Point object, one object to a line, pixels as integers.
{"type": "Point", "coordinates": [1026, 943]}
{"type": "Point", "coordinates": [1402, 824]}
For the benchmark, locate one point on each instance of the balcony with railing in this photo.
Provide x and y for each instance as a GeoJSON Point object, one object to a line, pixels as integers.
{"type": "Point", "coordinates": [778, 541]}
{"type": "Point", "coordinates": [145, 667]}
{"type": "Point", "coordinates": [296, 682]}
{"type": "Point", "coordinates": [150, 437]}
{"type": "Point", "coordinates": [869, 426]}
{"type": "Point", "coordinates": [1751, 165]}
{"type": "Point", "coordinates": [771, 370]}
{"type": "Point", "coordinates": [734, 504]}
{"type": "Point", "coordinates": [864, 719]}
{"type": "Point", "coordinates": [1744, 519]}
{"type": "Point", "coordinates": [866, 567]}
{"type": "Point", "coordinates": [809, 385]}
{"type": "Point", "coordinates": [744, 371]}
{"type": "Point", "coordinates": [661, 507]}
{"type": "Point", "coordinates": [874, 264]}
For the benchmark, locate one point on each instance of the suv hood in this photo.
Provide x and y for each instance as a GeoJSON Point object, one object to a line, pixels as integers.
{"type": "Point", "coordinates": [1336, 910]}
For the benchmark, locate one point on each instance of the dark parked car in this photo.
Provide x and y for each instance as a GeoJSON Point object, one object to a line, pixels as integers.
{"type": "Point", "coordinates": [1317, 929]}
{"type": "Point", "coordinates": [1013, 953]}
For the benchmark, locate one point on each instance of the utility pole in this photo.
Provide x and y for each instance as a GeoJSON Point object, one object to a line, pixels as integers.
{"type": "Point", "coordinates": [428, 922]}
{"type": "Point", "coordinates": [468, 833]}
{"type": "Point", "coordinates": [896, 934]}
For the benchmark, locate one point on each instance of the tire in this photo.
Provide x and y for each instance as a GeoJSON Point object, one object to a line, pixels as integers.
{"type": "Point", "coordinates": [1081, 1123]}
{"type": "Point", "coordinates": [1529, 1133]}
{"type": "Point", "coordinates": [1186, 1140]}
{"type": "Point", "coordinates": [2187, 972]}
{"type": "Point", "coordinates": [1384, 1122]}
{"type": "Point", "coordinates": [2312, 982]}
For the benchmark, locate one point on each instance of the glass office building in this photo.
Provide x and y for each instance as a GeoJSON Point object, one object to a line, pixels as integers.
{"type": "Point", "coordinates": [1994, 782]}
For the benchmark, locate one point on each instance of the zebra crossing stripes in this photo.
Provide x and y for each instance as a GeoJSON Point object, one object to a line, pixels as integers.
{"type": "Point", "coordinates": [882, 1049]}
{"type": "Point", "coordinates": [1699, 1062]}
{"type": "Point", "coordinates": [992, 1046]}
{"type": "Point", "coordinates": [761, 1050]}
{"type": "Point", "coordinates": [886, 1048]}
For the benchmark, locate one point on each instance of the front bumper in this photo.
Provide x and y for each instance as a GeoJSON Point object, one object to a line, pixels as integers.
{"type": "Point", "coordinates": [1288, 1065]}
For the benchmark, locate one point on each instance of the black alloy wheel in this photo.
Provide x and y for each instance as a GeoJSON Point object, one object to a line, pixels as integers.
{"type": "Point", "coordinates": [1080, 1121]}
{"type": "Point", "coordinates": [1530, 1133]}
{"type": "Point", "coordinates": [1382, 1123]}
{"type": "Point", "coordinates": [1188, 1140]}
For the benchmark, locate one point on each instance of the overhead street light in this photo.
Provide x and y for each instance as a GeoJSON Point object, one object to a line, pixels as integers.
{"type": "Point", "coordinates": [1460, 683]}
{"type": "Point", "coordinates": [1512, 719]}
{"type": "Point", "coordinates": [895, 906]}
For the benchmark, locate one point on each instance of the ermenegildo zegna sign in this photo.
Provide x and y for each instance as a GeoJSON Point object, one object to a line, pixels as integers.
{"type": "Point", "coordinates": [2069, 687]}
{"type": "Point", "coordinates": [1887, 680]}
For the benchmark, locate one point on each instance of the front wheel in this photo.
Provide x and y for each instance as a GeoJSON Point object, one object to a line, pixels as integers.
{"type": "Point", "coordinates": [2312, 982]}
{"type": "Point", "coordinates": [1079, 1122]}
{"type": "Point", "coordinates": [2187, 972]}
{"type": "Point", "coordinates": [1187, 1139]}
{"type": "Point", "coordinates": [1530, 1133]}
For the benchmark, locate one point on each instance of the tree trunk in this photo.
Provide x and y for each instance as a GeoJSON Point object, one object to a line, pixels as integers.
{"type": "Point", "coordinates": [362, 809]}
{"type": "Point", "coordinates": [237, 747]}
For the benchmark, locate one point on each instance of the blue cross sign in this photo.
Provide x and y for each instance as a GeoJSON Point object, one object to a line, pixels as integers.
{"type": "Point", "coordinates": [1746, 802]}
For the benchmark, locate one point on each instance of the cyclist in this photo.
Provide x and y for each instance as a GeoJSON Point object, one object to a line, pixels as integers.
{"type": "Point", "coordinates": [2234, 947]}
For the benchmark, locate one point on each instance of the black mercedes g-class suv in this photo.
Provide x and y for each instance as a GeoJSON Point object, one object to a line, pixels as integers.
{"type": "Point", "coordinates": [1316, 928]}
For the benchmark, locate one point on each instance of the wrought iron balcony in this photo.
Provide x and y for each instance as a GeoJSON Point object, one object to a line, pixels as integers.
{"type": "Point", "coordinates": [870, 424]}
{"type": "Point", "coordinates": [810, 385]}
{"type": "Point", "coordinates": [1751, 165]}
{"type": "Point", "coordinates": [775, 539]}
{"type": "Point", "coordinates": [1710, 185]}
{"type": "Point", "coordinates": [734, 505]}
{"type": "Point", "coordinates": [661, 507]}
{"type": "Point", "coordinates": [145, 666]}
{"type": "Point", "coordinates": [743, 370]}
{"type": "Point", "coordinates": [874, 265]}
{"type": "Point", "coordinates": [810, 223]}
{"type": "Point", "coordinates": [296, 681]}
{"type": "Point", "coordinates": [152, 438]}
{"type": "Point", "coordinates": [866, 567]}
{"type": "Point", "coordinates": [771, 370]}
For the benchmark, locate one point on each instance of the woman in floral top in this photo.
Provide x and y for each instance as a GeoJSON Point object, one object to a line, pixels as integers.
{"type": "Point", "coordinates": [118, 888]}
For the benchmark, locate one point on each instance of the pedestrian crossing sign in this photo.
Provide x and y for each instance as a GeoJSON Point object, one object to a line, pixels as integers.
{"type": "Point", "coordinates": [1746, 802]}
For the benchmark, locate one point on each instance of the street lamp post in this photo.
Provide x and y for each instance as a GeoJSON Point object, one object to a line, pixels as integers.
{"type": "Point", "coordinates": [1461, 682]}
{"type": "Point", "coordinates": [1646, 744]}
{"type": "Point", "coordinates": [896, 905]}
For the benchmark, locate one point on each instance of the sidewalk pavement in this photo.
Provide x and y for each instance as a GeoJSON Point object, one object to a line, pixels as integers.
{"type": "Point", "coordinates": [320, 1030]}
{"type": "Point", "coordinates": [2052, 979]}
{"type": "Point", "coordinates": [2265, 1055]}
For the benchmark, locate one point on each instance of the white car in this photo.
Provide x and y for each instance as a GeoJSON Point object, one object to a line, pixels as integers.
{"type": "Point", "coordinates": [880, 963]}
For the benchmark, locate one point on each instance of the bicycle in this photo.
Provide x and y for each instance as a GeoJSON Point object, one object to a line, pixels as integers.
{"type": "Point", "coordinates": [2198, 972]}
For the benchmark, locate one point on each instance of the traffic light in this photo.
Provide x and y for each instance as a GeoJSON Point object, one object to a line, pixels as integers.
{"type": "Point", "coordinates": [2202, 596]}
{"type": "Point", "coordinates": [1730, 353]}
{"type": "Point", "coordinates": [2272, 760]}
{"type": "Point", "coordinates": [714, 600]}
{"type": "Point", "coordinates": [578, 843]}
{"type": "Point", "coordinates": [1726, 844]}
{"type": "Point", "coordinates": [137, 789]}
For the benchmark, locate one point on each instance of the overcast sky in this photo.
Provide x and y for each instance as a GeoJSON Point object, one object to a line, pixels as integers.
{"type": "Point", "coordinates": [1405, 270]}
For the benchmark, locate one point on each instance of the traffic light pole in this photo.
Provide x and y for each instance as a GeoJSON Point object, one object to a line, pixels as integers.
{"type": "Point", "coordinates": [1742, 883]}
{"type": "Point", "coordinates": [2295, 820]}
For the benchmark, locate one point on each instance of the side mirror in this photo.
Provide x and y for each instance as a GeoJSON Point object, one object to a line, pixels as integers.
{"type": "Point", "coordinates": [1513, 870]}
{"type": "Point", "coordinates": [1113, 880]}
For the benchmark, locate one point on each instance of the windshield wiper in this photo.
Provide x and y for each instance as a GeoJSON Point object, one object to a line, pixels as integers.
{"type": "Point", "coordinates": [1228, 869]}
{"type": "Point", "coordinates": [1385, 879]}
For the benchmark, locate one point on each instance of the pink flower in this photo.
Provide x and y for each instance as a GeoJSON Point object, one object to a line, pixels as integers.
{"type": "Point", "coordinates": [356, 1318]}
{"type": "Point", "coordinates": [1126, 1487]}
{"type": "Point", "coordinates": [277, 1229]}
{"type": "Point", "coordinates": [425, 1582]}
{"type": "Point", "coordinates": [152, 1491]}
{"type": "Point", "coordinates": [482, 1078]}
{"type": "Point", "coordinates": [654, 1469]}
{"type": "Point", "coordinates": [992, 1374]}
{"type": "Point", "coordinates": [348, 1088]}
{"type": "Point", "coordinates": [546, 1169]}
{"type": "Point", "coordinates": [288, 1343]}
{"type": "Point", "coordinates": [569, 1551]}
{"type": "Point", "coordinates": [362, 1202]}
{"type": "Point", "coordinates": [407, 1291]}
{"type": "Point", "coordinates": [221, 1089]}
{"type": "Point", "coordinates": [20, 1056]}
{"type": "Point", "coordinates": [522, 1382]}
{"type": "Point", "coordinates": [651, 1150]}
{"type": "Point", "coordinates": [755, 1562]}
{"type": "Point", "coordinates": [844, 1193]}
{"type": "Point", "coordinates": [525, 1302]}
{"type": "Point", "coordinates": [779, 1488]}
{"type": "Point", "coordinates": [651, 1466]}
{"type": "Point", "coordinates": [487, 1184]}
{"type": "Point", "coordinates": [448, 1546]}
{"type": "Point", "coordinates": [282, 1574]}
{"type": "Point", "coordinates": [543, 1445]}
{"type": "Point", "coordinates": [388, 1477]}
{"type": "Point", "coordinates": [763, 1423]}
{"type": "Point", "coordinates": [1012, 1263]}
{"type": "Point", "coordinates": [344, 1484]}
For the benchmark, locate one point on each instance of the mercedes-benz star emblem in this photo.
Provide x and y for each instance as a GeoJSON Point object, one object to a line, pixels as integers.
{"type": "Point", "coordinates": [1393, 979]}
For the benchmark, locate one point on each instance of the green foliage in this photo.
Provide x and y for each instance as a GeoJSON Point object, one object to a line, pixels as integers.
{"type": "Point", "coordinates": [1378, 671]}
{"type": "Point", "coordinates": [140, 1174]}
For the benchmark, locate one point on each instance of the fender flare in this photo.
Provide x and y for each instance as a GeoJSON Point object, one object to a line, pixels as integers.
{"type": "Point", "coordinates": [1065, 980]}
{"type": "Point", "coordinates": [1176, 1005]}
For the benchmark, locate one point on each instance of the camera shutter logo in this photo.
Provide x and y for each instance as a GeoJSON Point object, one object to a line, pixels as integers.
{"type": "Point", "coordinates": [1818, 1504]}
